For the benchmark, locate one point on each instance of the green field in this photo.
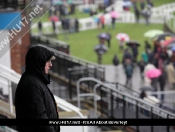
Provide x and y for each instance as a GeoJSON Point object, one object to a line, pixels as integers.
{"type": "Point", "coordinates": [82, 44]}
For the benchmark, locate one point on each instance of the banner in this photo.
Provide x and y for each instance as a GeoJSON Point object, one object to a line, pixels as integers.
{"type": "Point", "coordinates": [88, 122]}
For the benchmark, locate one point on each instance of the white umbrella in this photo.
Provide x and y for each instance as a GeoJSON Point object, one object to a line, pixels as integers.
{"type": "Point", "coordinates": [122, 36]}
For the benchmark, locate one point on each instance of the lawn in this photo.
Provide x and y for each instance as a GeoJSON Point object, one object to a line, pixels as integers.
{"type": "Point", "coordinates": [161, 2]}
{"type": "Point", "coordinates": [82, 44]}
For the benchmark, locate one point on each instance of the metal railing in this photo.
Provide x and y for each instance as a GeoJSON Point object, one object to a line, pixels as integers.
{"type": "Point", "coordinates": [73, 68]}
{"type": "Point", "coordinates": [122, 105]}
{"type": "Point", "coordinates": [12, 4]}
{"type": "Point", "coordinates": [50, 42]}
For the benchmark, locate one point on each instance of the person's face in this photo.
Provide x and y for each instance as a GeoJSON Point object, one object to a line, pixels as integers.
{"type": "Point", "coordinates": [48, 66]}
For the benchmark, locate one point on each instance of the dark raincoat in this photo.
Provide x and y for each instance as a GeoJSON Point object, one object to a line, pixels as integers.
{"type": "Point", "coordinates": [33, 99]}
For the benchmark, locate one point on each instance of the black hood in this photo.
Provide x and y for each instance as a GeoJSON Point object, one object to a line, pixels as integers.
{"type": "Point", "coordinates": [36, 59]}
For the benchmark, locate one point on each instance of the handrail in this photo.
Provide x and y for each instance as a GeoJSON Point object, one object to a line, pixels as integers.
{"type": "Point", "coordinates": [74, 57]}
{"type": "Point", "coordinates": [124, 86]}
{"type": "Point", "coordinates": [115, 90]}
{"type": "Point", "coordinates": [52, 40]}
{"type": "Point", "coordinates": [10, 70]}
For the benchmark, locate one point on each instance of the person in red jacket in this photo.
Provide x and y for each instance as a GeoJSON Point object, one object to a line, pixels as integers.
{"type": "Point", "coordinates": [102, 20]}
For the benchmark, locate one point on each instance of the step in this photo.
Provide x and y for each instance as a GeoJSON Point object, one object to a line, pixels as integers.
{"type": "Point", "coordinates": [113, 131]}
{"type": "Point", "coordinates": [71, 114]}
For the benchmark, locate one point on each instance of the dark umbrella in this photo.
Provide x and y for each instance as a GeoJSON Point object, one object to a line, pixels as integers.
{"type": "Point", "coordinates": [160, 37]}
{"type": "Point", "coordinates": [132, 42]}
{"type": "Point", "coordinates": [147, 88]}
{"type": "Point", "coordinates": [103, 35]}
{"type": "Point", "coordinates": [100, 49]}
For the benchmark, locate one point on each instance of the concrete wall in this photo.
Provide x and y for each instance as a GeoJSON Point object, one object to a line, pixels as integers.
{"type": "Point", "coordinates": [6, 61]}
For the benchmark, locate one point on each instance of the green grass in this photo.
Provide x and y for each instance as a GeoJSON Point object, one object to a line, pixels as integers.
{"type": "Point", "coordinates": [161, 2]}
{"type": "Point", "coordinates": [82, 44]}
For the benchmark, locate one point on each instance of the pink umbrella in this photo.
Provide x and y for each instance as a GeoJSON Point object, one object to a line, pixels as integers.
{"type": "Point", "coordinates": [122, 37]}
{"type": "Point", "coordinates": [153, 73]}
{"type": "Point", "coordinates": [167, 42]}
{"type": "Point", "coordinates": [114, 14]}
{"type": "Point", "coordinates": [53, 18]}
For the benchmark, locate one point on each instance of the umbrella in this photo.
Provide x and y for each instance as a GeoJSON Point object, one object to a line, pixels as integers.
{"type": "Point", "coordinates": [149, 66]}
{"type": "Point", "coordinates": [153, 73]}
{"type": "Point", "coordinates": [53, 18]}
{"type": "Point", "coordinates": [122, 37]}
{"type": "Point", "coordinates": [100, 49]}
{"type": "Point", "coordinates": [153, 33]}
{"type": "Point", "coordinates": [103, 35]}
{"type": "Point", "coordinates": [132, 42]}
{"type": "Point", "coordinates": [167, 42]}
{"type": "Point", "coordinates": [164, 36]}
{"type": "Point", "coordinates": [114, 14]}
{"type": "Point", "coordinates": [147, 88]}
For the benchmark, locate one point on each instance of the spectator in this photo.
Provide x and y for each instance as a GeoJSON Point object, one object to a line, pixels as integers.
{"type": "Point", "coordinates": [72, 25]}
{"type": "Point", "coordinates": [171, 75]}
{"type": "Point", "coordinates": [102, 21]}
{"type": "Point", "coordinates": [128, 66]}
{"type": "Point", "coordinates": [154, 83]}
{"type": "Point", "coordinates": [141, 65]}
{"type": "Point", "coordinates": [143, 95]}
{"type": "Point", "coordinates": [109, 39]}
{"type": "Point", "coordinates": [147, 46]}
{"type": "Point", "coordinates": [100, 49]}
{"type": "Point", "coordinates": [142, 5]}
{"type": "Point", "coordinates": [116, 63]}
{"type": "Point", "coordinates": [146, 14]}
{"type": "Point", "coordinates": [121, 44]}
{"type": "Point", "coordinates": [127, 55]}
{"type": "Point", "coordinates": [150, 3]}
{"type": "Point", "coordinates": [53, 25]}
{"type": "Point", "coordinates": [135, 52]}
{"type": "Point", "coordinates": [162, 82]}
{"type": "Point", "coordinates": [76, 25]}
{"type": "Point", "coordinates": [144, 57]}
{"type": "Point", "coordinates": [40, 27]}
{"type": "Point", "coordinates": [113, 19]}
{"type": "Point", "coordinates": [150, 55]}
{"type": "Point", "coordinates": [33, 98]}
{"type": "Point", "coordinates": [137, 14]}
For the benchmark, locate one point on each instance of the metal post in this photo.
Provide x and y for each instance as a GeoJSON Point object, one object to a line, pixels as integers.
{"type": "Point", "coordinates": [70, 83]}
{"type": "Point", "coordinates": [95, 100]}
{"type": "Point", "coordinates": [168, 127]}
{"type": "Point", "coordinates": [123, 107]}
{"type": "Point", "coordinates": [152, 129]}
{"type": "Point", "coordinates": [68, 49]}
{"type": "Point", "coordinates": [95, 72]}
{"type": "Point", "coordinates": [101, 110]}
{"type": "Point", "coordinates": [137, 115]}
{"type": "Point", "coordinates": [104, 74]}
{"type": "Point", "coordinates": [10, 96]}
{"type": "Point", "coordinates": [112, 102]}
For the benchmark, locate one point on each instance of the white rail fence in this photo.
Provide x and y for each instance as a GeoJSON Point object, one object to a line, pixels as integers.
{"type": "Point", "coordinates": [158, 13]}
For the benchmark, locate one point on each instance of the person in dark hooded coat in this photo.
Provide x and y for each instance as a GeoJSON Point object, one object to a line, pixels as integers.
{"type": "Point", "coordinates": [33, 98]}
